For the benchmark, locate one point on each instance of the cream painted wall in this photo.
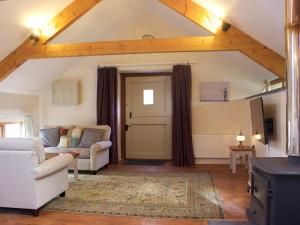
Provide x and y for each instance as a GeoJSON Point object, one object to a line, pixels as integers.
{"type": "Point", "coordinates": [274, 107]}
{"type": "Point", "coordinates": [16, 104]}
{"type": "Point", "coordinates": [85, 113]}
{"type": "Point", "coordinates": [215, 126]}
{"type": "Point", "coordinates": [212, 122]}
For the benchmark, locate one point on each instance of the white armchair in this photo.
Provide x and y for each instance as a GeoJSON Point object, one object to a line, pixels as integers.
{"type": "Point", "coordinates": [27, 180]}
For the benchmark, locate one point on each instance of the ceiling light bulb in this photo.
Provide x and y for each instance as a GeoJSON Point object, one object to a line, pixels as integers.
{"type": "Point", "coordinates": [48, 30]}
{"type": "Point", "coordinates": [36, 32]}
{"type": "Point", "coordinates": [215, 8]}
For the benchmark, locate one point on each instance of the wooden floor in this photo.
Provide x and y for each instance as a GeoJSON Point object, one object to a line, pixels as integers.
{"type": "Point", "coordinates": [232, 188]}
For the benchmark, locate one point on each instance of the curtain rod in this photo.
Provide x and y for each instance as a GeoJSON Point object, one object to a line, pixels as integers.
{"type": "Point", "coordinates": [146, 64]}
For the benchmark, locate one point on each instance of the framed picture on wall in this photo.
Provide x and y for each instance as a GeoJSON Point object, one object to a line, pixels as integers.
{"type": "Point", "coordinates": [214, 92]}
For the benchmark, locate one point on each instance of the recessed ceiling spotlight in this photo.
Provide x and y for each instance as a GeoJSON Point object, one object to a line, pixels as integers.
{"type": "Point", "coordinates": [148, 36]}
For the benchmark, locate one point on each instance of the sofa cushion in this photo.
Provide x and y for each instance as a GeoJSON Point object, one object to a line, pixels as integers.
{"type": "Point", "coordinates": [91, 136]}
{"type": "Point", "coordinates": [49, 136]}
{"type": "Point", "coordinates": [106, 128]}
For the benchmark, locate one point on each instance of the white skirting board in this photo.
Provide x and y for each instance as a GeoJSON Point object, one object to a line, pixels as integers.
{"type": "Point", "coordinates": [212, 161]}
{"type": "Point", "coordinates": [215, 161]}
{"type": "Point", "coordinates": [213, 146]}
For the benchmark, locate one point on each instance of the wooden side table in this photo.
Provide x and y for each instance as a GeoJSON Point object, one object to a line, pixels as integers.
{"type": "Point", "coordinates": [75, 163]}
{"type": "Point", "coordinates": [246, 152]}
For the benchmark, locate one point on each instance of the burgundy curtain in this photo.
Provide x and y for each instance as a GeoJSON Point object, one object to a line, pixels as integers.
{"type": "Point", "coordinates": [182, 146]}
{"type": "Point", "coordinates": [107, 106]}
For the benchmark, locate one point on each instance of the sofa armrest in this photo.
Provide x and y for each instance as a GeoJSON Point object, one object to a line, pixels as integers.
{"type": "Point", "coordinates": [52, 165]}
{"type": "Point", "coordinates": [99, 146]}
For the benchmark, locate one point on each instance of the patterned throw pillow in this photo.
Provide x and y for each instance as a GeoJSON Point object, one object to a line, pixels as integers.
{"type": "Point", "coordinates": [63, 131]}
{"type": "Point", "coordinates": [91, 136]}
{"type": "Point", "coordinates": [64, 142]}
{"type": "Point", "coordinates": [75, 137]}
{"type": "Point", "coordinates": [69, 134]}
{"type": "Point", "coordinates": [65, 137]}
{"type": "Point", "coordinates": [49, 136]}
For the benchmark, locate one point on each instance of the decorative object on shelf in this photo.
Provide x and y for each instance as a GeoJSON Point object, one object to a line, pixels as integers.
{"type": "Point", "coordinates": [240, 138]}
{"type": "Point", "coordinates": [214, 92]}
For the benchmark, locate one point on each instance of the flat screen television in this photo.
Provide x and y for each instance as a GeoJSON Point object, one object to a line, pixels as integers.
{"type": "Point", "coordinates": [258, 119]}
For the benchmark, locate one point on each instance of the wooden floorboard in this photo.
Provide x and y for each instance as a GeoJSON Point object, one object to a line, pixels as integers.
{"type": "Point", "coordinates": [232, 188]}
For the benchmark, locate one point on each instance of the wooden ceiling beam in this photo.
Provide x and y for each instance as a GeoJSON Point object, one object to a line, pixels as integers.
{"type": "Point", "coordinates": [232, 40]}
{"type": "Point", "coordinates": [202, 17]}
{"type": "Point", "coordinates": [68, 16]}
{"type": "Point", "coordinates": [57, 25]}
{"type": "Point", "coordinates": [186, 44]}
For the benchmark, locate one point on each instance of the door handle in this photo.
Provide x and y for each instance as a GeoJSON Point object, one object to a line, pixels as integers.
{"type": "Point", "coordinates": [126, 127]}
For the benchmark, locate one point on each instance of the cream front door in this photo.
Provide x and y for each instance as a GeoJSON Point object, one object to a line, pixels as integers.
{"type": "Point", "coordinates": [148, 117]}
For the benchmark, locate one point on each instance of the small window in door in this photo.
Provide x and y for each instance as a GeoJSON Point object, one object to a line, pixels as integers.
{"type": "Point", "coordinates": [148, 97]}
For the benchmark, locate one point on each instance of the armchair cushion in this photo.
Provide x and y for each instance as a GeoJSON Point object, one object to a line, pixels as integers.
{"type": "Point", "coordinates": [52, 165]}
{"type": "Point", "coordinates": [91, 136]}
{"type": "Point", "coordinates": [21, 144]}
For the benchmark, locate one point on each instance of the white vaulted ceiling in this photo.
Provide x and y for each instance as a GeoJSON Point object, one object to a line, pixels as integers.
{"type": "Point", "coordinates": [130, 19]}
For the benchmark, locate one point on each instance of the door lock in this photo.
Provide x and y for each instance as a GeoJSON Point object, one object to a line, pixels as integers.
{"type": "Point", "coordinates": [126, 127]}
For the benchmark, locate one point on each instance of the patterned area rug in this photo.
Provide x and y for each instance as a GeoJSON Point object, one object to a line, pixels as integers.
{"type": "Point", "coordinates": [149, 194]}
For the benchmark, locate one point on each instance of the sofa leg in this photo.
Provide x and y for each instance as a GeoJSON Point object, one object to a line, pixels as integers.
{"type": "Point", "coordinates": [63, 194]}
{"type": "Point", "coordinates": [35, 212]}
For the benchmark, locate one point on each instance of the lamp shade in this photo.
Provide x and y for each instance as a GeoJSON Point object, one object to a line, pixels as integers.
{"type": "Point", "coordinates": [240, 137]}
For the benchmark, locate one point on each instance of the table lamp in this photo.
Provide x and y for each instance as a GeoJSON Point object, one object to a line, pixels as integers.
{"type": "Point", "coordinates": [240, 138]}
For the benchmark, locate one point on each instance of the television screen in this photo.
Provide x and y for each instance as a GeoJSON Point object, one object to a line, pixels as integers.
{"type": "Point", "coordinates": [257, 118]}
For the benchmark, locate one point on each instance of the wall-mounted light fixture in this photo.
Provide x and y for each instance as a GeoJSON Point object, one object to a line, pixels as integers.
{"type": "Point", "coordinates": [35, 36]}
{"type": "Point", "coordinates": [257, 136]}
{"type": "Point", "coordinates": [225, 26]}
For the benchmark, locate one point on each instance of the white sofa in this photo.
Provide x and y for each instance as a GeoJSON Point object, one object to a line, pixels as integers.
{"type": "Point", "coordinates": [28, 181]}
{"type": "Point", "coordinates": [90, 159]}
